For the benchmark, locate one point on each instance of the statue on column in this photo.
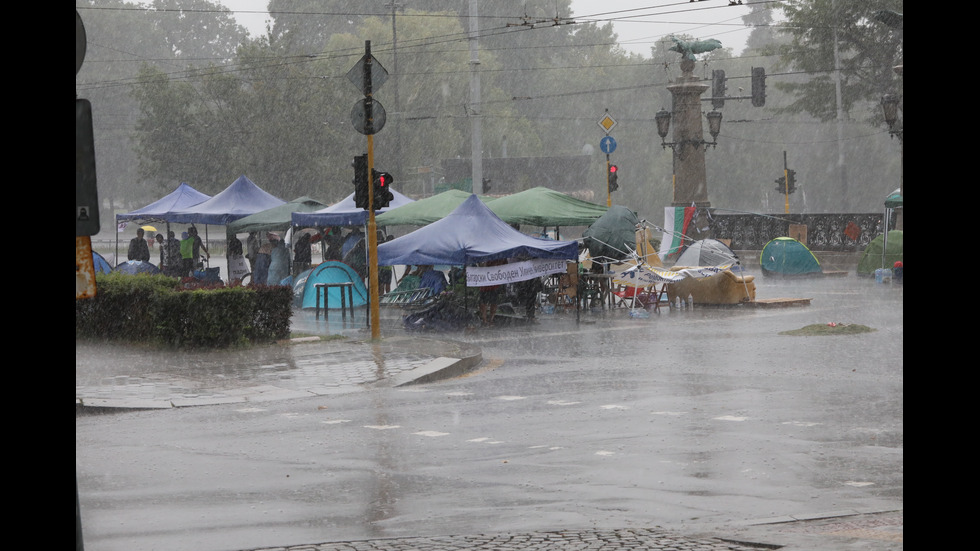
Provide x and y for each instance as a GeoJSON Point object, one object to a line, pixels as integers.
{"type": "Point", "coordinates": [688, 49]}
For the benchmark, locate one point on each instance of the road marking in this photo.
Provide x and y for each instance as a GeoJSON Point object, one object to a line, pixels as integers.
{"type": "Point", "coordinates": [382, 427]}
{"type": "Point", "coordinates": [431, 433]}
{"type": "Point", "coordinates": [562, 403]}
{"type": "Point", "coordinates": [730, 418]}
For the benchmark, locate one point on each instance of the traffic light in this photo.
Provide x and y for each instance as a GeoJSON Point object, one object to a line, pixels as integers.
{"type": "Point", "coordinates": [382, 189]}
{"type": "Point", "coordinates": [360, 165]}
{"type": "Point", "coordinates": [758, 86]}
{"type": "Point", "coordinates": [718, 88]}
{"type": "Point", "coordinates": [613, 178]}
{"type": "Point", "coordinates": [787, 184]}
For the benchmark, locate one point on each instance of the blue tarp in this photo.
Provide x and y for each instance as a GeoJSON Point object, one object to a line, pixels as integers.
{"type": "Point", "coordinates": [329, 272]}
{"type": "Point", "coordinates": [469, 235]}
{"type": "Point", "coordinates": [344, 213]}
{"type": "Point", "coordinates": [237, 201]}
{"type": "Point", "coordinates": [184, 197]}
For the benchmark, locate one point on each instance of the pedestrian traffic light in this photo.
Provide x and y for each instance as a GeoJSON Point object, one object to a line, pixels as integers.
{"type": "Point", "coordinates": [718, 88]}
{"type": "Point", "coordinates": [360, 164]}
{"type": "Point", "coordinates": [382, 189]}
{"type": "Point", "coordinates": [613, 178]}
{"type": "Point", "coordinates": [758, 86]}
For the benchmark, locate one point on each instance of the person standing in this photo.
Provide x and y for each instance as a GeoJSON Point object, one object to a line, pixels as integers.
{"type": "Point", "coordinates": [302, 254]}
{"type": "Point", "coordinates": [172, 260]}
{"type": "Point", "coordinates": [186, 255]}
{"type": "Point", "coordinates": [198, 246]}
{"type": "Point", "coordinates": [138, 250]}
{"type": "Point", "coordinates": [278, 262]}
{"type": "Point", "coordinates": [163, 250]}
{"type": "Point", "coordinates": [252, 249]}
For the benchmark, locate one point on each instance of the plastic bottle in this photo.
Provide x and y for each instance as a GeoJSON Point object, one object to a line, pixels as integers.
{"type": "Point", "coordinates": [690, 301]}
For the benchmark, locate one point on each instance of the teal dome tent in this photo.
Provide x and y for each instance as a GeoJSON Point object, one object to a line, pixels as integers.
{"type": "Point", "coordinates": [785, 256]}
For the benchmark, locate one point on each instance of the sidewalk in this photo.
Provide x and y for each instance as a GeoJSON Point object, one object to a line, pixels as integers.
{"type": "Point", "coordinates": [335, 356]}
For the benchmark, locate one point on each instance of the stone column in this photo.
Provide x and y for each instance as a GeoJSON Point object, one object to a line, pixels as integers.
{"type": "Point", "coordinates": [690, 184]}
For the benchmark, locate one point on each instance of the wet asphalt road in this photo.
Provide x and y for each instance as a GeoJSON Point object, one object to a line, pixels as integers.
{"type": "Point", "coordinates": [700, 422]}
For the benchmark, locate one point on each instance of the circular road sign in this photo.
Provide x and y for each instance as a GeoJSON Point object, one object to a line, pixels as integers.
{"type": "Point", "coordinates": [607, 145]}
{"type": "Point", "coordinates": [358, 116]}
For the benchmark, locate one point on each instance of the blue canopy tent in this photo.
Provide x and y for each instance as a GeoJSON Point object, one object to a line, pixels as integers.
{"type": "Point", "coordinates": [181, 198]}
{"type": "Point", "coordinates": [469, 235]}
{"type": "Point", "coordinates": [344, 213]}
{"type": "Point", "coordinates": [238, 200]}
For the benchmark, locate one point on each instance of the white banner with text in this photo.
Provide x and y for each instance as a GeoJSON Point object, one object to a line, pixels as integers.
{"type": "Point", "coordinates": [483, 276]}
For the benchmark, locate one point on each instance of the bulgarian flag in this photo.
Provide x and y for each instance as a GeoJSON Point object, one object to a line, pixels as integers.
{"type": "Point", "coordinates": [676, 220]}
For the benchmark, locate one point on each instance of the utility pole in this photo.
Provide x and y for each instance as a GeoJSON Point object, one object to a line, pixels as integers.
{"type": "Point", "coordinates": [476, 121]}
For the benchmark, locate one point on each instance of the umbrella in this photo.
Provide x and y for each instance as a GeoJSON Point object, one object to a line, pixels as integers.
{"type": "Point", "coordinates": [148, 228]}
{"type": "Point", "coordinates": [133, 267]}
{"type": "Point", "coordinates": [707, 252]}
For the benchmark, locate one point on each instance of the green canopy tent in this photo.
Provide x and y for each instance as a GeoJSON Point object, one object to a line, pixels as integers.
{"type": "Point", "coordinates": [894, 199]}
{"type": "Point", "coordinates": [544, 207]}
{"type": "Point", "coordinates": [278, 218]}
{"type": "Point", "coordinates": [882, 252]}
{"type": "Point", "coordinates": [425, 211]}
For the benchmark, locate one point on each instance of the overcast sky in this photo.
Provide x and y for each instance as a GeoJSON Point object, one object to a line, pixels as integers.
{"type": "Point", "coordinates": [639, 23]}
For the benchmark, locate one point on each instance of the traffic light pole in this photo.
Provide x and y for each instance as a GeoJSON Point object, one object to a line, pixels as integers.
{"type": "Point", "coordinates": [372, 229]}
{"type": "Point", "coordinates": [608, 191]}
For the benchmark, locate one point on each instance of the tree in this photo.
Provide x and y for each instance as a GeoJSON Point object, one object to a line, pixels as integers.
{"type": "Point", "coordinates": [834, 37]}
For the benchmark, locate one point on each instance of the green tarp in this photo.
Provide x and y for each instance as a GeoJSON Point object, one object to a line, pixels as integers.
{"type": "Point", "coordinates": [873, 259]}
{"type": "Point", "coordinates": [425, 211]}
{"type": "Point", "coordinates": [541, 206]}
{"type": "Point", "coordinates": [277, 218]}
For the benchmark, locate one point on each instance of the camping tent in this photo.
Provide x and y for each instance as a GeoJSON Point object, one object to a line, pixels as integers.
{"type": "Point", "coordinates": [707, 252]}
{"type": "Point", "coordinates": [100, 264]}
{"type": "Point", "coordinates": [785, 256]}
{"type": "Point", "coordinates": [238, 200]}
{"type": "Point", "coordinates": [541, 206]}
{"type": "Point", "coordinates": [277, 218]}
{"type": "Point", "coordinates": [344, 213]}
{"type": "Point", "coordinates": [879, 255]}
{"type": "Point", "coordinates": [331, 271]}
{"type": "Point", "coordinates": [181, 198]}
{"type": "Point", "coordinates": [613, 235]}
{"type": "Point", "coordinates": [425, 211]}
{"type": "Point", "coordinates": [468, 235]}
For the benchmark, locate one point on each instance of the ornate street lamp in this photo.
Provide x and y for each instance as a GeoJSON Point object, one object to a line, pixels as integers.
{"type": "Point", "coordinates": [889, 104]}
{"type": "Point", "coordinates": [662, 119]}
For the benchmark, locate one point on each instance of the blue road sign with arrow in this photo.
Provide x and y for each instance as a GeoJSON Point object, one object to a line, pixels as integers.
{"type": "Point", "coordinates": [607, 145]}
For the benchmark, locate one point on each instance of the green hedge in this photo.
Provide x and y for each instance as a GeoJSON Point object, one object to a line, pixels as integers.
{"type": "Point", "coordinates": [157, 309]}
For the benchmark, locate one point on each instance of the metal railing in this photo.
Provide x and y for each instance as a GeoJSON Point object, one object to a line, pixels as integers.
{"type": "Point", "coordinates": [844, 232]}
